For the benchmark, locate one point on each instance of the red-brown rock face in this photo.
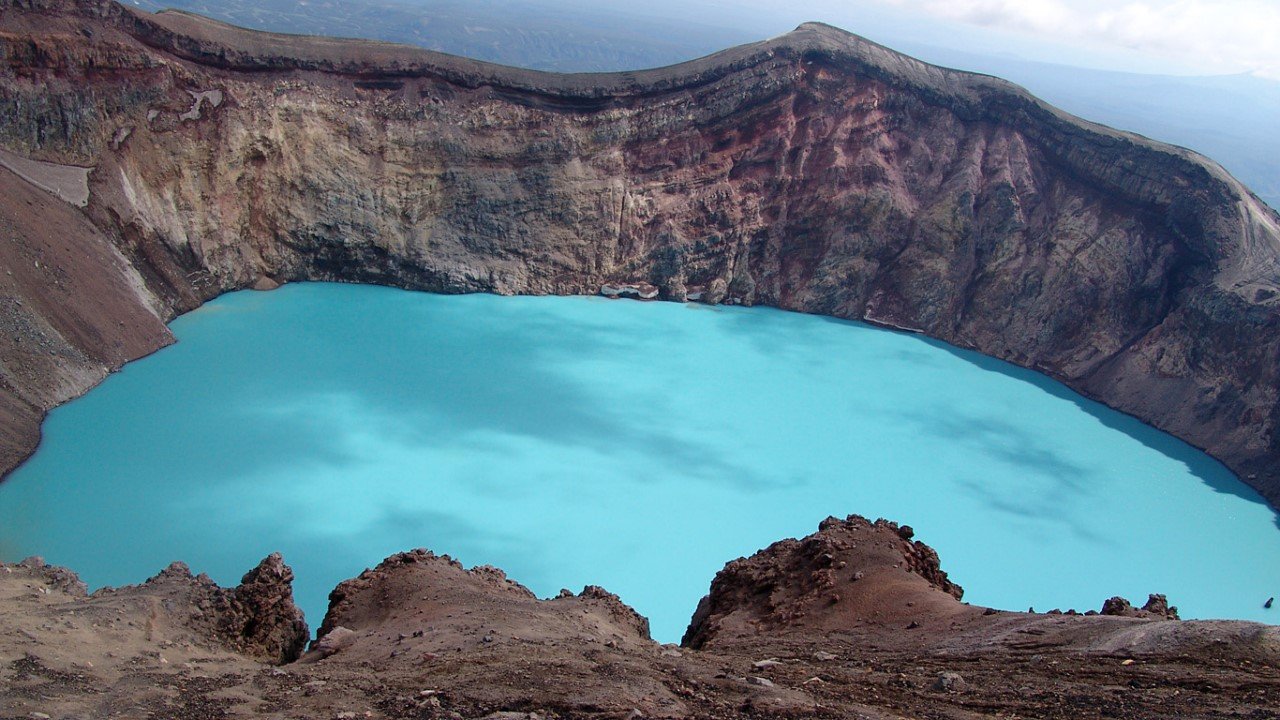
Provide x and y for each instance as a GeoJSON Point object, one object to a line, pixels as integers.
{"type": "Point", "coordinates": [814, 172]}
{"type": "Point", "coordinates": [850, 572]}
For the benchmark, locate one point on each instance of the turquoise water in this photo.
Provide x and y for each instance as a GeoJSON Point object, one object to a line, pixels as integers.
{"type": "Point", "coordinates": [638, 446]}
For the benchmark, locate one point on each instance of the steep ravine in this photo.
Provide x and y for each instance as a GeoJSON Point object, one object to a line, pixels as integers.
{"type": "Point", "coordinates": [815, 172]}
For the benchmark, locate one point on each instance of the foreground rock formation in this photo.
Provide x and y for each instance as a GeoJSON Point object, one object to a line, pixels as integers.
{"type": "Point", "coordinates": [815, 172]}
{"type": "Point", "coordinates": [855, 621]}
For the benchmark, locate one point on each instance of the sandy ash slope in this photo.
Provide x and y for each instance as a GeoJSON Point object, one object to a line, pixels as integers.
{"type": "Point", "coordinates": [815, 171]}
{"type": "Point", "coordinates": [854, 621]}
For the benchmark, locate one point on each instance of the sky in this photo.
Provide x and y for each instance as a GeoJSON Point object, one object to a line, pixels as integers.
{"type": "Point", "coordinates": [1222, 35]}
{"type": "Point", "coordinates": [1179, 37]}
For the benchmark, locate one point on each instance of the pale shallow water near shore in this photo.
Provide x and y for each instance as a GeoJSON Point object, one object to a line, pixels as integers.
{"type": "Point", "coordinates": [638, 446]}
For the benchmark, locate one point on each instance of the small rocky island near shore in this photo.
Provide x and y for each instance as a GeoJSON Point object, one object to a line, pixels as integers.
{"type": "Point", "coordinates": [854, 621]}
{"type": "Point", "coordinates": [151, 162]}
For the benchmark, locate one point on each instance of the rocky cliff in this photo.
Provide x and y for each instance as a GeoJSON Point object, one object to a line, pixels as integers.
{"type": "Point", "coordinates": [816, 172]}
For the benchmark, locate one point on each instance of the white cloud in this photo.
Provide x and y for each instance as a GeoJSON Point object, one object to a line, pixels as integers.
{"type": "Point", "coordinates": [1222, 35]}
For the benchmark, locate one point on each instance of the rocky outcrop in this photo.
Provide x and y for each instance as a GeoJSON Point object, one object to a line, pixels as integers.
{"type": "Point", "coordinates": [56, 578]}
{"type": "Point", "coordinates": [849, 569]}
{"type": "Point", "coordinates": [407, 588]}
{"type": "Point", "coordinates": [1157, 606]}
{"type": "Point", "coordinates": [256, 619]}
{"type": "Point", "coordinates": [427, 615]}
{"type": "Point", "coordinates": [420, 636]}
{"type": "Point", "coordinates": [259, 617]}
{"type": "Point", "coordinates": [815, 172]}
{"type": "Point", "coordinates": [872, 585]}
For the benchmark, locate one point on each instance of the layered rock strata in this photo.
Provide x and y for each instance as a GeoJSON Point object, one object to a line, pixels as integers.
{"type": "Point", "coordinates": [815, 172]}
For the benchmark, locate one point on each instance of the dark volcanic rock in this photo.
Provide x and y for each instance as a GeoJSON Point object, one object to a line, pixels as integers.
{"type": "Point", "coordinates": [259, 616]}
{"type": "Point", "coordinates": [1118, 606]}
{"type": "Point", "coordinates": [1157, 606]}
{"type": "Point", "coordinates": [816, 172]}
{"type": "Point", "coordinates": [256, 618]}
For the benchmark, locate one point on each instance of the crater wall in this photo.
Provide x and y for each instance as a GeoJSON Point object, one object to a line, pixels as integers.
{"type": "Point", "coordinates": [815, 172]}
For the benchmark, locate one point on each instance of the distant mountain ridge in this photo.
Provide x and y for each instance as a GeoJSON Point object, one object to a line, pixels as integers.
{"type": "Point", "coordinates": [509, 32]}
